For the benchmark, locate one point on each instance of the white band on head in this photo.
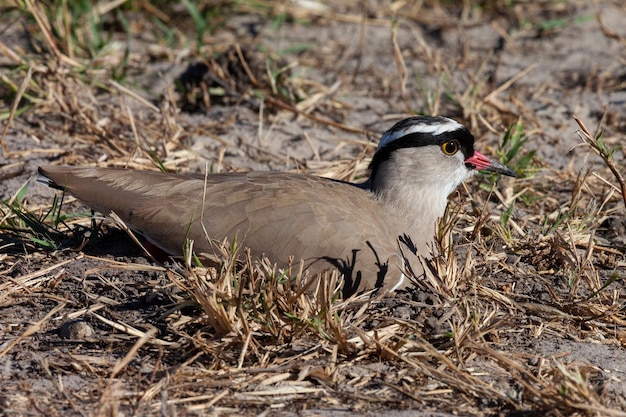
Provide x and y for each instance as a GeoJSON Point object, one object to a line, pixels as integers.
{"type": "Point", "coordinates": [420, 125]}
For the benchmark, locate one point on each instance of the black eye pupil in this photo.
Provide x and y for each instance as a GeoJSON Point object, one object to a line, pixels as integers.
{"type": "Point", "coordinates": [450, 148]}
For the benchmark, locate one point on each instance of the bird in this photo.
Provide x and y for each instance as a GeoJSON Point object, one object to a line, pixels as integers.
{"type": "Point", "coordinates": [363, 230]}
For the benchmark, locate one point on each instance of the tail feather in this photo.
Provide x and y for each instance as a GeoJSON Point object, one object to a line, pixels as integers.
{"type": "Point", "coordinates": [44, 179]}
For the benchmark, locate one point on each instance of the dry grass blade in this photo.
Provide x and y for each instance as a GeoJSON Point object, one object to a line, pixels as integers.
{"type": "Point", "coordinates": [33, 328]}
{"type": "Point", "coordinates": [28, 282]}
{"type": "Point", "coordinates": [521, 313]}
{"type": "Point", "coordinates": [126, 328]}
{"type": "Point", "coordinates": [403, 73]}
{"type": "Point", "coordinates": [129, 266]}
{"type": "Point", "coordinates": [120, 223]}
{"type": "Point", "coordinates": [132, 353]}
{"type": "Point", "coordinates": [608, 32]}
{"type": "Point", "coordinates": [324, 121]}
{"type": "Point", "coordinates": [134, 95]}
{"type": "Point", "coordinates": [245, 65]}
{"type": "Point", "coordinates": [490, 98]}
{"type": "Point", "coordinates": [16, 102]}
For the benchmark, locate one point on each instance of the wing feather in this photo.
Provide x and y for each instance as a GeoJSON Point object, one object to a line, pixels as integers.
{"type": "Point", "coordinates": [323, 221]}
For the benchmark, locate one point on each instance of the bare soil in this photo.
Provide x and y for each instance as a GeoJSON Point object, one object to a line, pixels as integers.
{"type": "Point", "coordinates": [529, 324]}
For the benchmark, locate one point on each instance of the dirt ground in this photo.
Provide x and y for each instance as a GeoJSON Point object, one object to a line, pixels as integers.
{"type": "Point", "coordinates": [527, 317]}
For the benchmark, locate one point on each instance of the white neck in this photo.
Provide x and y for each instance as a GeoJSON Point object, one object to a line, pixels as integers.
{"type": "Point", "coordinates": [416, 210]}
{"type": "Point", "coordinates": [417, 194]}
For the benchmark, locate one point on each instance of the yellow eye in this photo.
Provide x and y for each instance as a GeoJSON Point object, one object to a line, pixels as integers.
{"type": "Point", "coordinates": [450, 148]}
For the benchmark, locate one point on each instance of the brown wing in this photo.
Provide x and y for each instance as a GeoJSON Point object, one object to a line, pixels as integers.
{"type": "Point", "coordinates": [325, 222]}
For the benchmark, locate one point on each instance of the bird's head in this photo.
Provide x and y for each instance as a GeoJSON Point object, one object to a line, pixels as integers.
{"type": "Point", "coordinates": [433, 149]}
{"type": "Point", "coordinates": [427, 158]}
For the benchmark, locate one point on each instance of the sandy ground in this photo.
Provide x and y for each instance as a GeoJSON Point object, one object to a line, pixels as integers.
{"type": "Point", "coordinates": [537, 64]}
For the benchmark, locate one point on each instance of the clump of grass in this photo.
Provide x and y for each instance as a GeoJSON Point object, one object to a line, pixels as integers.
{"type": "Point", "coordinates": [28, 226]}
{"type": "Point", "coordinates": [512, 153]}
{"type": "Point", "coordinates": [208, 18]}
{"type": "Point", "coordinates": [45, 227]}
{"type": "Point", "coordinates": [598, 146]}
{"type": "Point", "coordinates": [254, 302]}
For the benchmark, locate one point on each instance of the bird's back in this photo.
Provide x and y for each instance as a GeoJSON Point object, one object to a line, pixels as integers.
{"type": "Point", "coordinates": [326, 223]}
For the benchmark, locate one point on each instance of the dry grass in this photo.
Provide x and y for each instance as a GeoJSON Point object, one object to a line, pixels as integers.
{"type": "Point", "coordinates": [531, 262]}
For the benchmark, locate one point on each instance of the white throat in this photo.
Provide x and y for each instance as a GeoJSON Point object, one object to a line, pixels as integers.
{"type": "Point", "coordinates": [414, 185]}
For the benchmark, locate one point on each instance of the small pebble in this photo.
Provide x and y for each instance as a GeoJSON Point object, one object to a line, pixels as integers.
{"type": "Point", "coordinates": [76, 330]}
